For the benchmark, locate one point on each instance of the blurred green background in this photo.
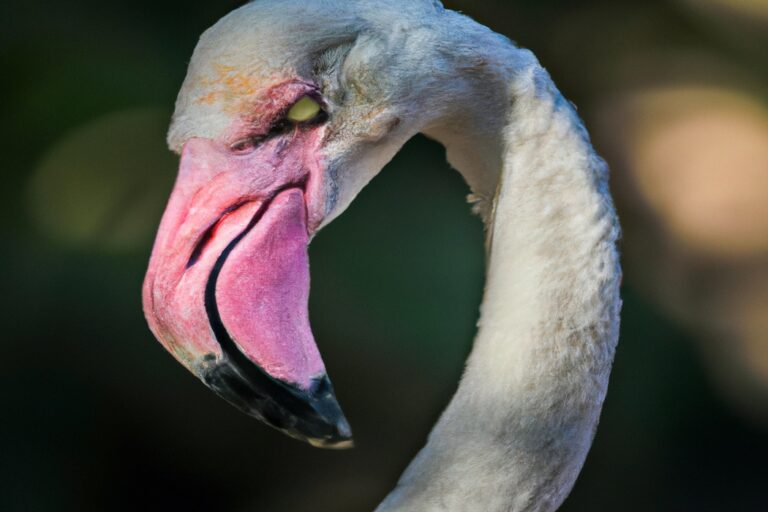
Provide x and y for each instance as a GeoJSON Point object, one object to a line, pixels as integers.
{"type": "Point", "coordinates": [96, 416]}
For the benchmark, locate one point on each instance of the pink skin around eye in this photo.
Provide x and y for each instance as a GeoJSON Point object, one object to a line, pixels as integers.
{"type": "Point", "coordinates": [263, 286]}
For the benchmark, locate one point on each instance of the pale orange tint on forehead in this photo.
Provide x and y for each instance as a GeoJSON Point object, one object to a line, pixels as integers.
{"type": "Point", "coordinates": [251, 101]}
{"type": "Point", "coordinates": [238, 91]}
{"type": "Point", "coordinates": [228, 83]}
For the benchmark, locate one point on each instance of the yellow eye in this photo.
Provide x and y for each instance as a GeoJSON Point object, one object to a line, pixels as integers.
{"type": "Point", "coordinates": [303, 110]}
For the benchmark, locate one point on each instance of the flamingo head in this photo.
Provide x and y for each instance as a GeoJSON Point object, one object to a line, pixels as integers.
{"type": "Point", "coordinates": [288, 109]}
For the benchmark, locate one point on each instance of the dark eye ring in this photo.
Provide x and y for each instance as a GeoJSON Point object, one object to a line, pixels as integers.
{"type": "Point", "coordinates": [305, 112]}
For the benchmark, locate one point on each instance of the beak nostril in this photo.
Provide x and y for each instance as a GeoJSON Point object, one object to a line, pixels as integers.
{"type": "Point", "coordinates": [208, 234]}
{"type": "Point", "coordinates": [247, 145]}
{"type": "Point", "coordinates": [201, 245]}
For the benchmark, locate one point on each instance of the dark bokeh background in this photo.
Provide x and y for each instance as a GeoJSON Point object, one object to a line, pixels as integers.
{"type": "Point", "coordinates": [96, 416]}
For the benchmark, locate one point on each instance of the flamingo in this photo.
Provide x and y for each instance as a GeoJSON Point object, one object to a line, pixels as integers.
{"type": "Point", "coordinates": [289, 108]}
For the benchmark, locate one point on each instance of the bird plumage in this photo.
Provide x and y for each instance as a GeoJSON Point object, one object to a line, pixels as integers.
{"type": "Point", "coordinates": [519, 427]}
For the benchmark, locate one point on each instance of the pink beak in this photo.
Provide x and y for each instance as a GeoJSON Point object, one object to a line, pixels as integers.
{"type": "Point", "coordinates": [228, 282]}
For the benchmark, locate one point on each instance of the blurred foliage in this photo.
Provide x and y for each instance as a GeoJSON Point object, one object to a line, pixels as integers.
{"type": "Point", "coordinates": [99, 186]}
{"type": "Point", "coordinates": [97, 417]}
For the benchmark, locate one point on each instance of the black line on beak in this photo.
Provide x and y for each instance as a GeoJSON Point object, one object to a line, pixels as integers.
{"type": "Point", "coordinates": [311, 415]}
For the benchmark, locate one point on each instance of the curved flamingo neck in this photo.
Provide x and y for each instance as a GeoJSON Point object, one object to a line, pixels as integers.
{"type": "Point", "coordinates": [519, 427]}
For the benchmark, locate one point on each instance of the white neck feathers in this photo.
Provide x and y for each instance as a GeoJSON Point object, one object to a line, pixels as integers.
{"type": "Point", "coordinates": [517, 432]}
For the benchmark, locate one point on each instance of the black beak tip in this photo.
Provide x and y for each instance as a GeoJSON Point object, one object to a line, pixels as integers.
{"type": "Point", "coordinates": [312, 415]}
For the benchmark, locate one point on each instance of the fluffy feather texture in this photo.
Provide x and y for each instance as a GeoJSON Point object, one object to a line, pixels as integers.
{"type": "Point", "coordinates": [519, 427]}
{"type": "Point", "coordinates": [521, 423]}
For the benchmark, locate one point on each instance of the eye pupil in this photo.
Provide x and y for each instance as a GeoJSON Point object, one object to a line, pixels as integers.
{"type": "Point", "coordinates": [303, 110]}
